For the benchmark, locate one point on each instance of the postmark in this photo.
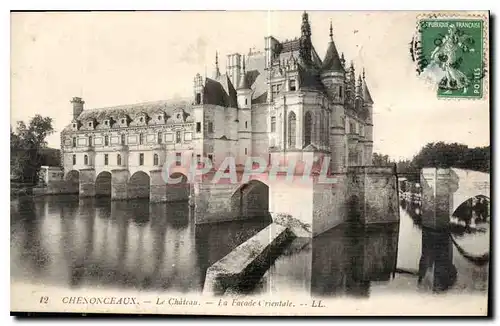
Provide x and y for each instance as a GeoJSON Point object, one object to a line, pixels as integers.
{"type": "Point", "coordinates": [450, 53]}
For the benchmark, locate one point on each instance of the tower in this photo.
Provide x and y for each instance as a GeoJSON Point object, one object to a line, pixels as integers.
{"type": "Point", "coordinates": [77, 106]}
{"type": "Point", "coordinates": [243, 91]}
{"type": "Point", "coordinates": [358, 102]}
{"type": "Point", "coordinates": [368, 106]}
{"type": "Point", "coordinates": [233, 68]}
{"type": "Point", "coordinates": [351, 86]}
{"type": "Point", "coordinates": [333, 77]}
{"type": "Point", "coordinates": [198, 89]}
{"type": "Point", "coordinates": [244, 94]}
{"type": "Point", "coordinates": [305, 40]}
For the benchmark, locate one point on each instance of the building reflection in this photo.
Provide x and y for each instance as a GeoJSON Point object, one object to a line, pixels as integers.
{"type": "Point", "coordinates": [436, 271]}
{"type": "Point", "coordinates": [346, 259]}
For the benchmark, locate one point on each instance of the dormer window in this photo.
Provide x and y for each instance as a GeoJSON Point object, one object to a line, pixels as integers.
{"type": "Point", "coordinates": [159, 117]}
{"type": "Point", "coordinates": [90, 124]}
{"type": "Point", "coordinates": [106, 122]}
{"type": "Point", "coordinates": [74, 125]}
{"type": "Point", "coordinates": [178, 115]}
{"type": "Point", "coordinates": [141, 119]}
{"type": "Point", "coordinates": [123, 121]}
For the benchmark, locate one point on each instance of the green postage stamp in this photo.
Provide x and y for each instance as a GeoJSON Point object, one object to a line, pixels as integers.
{"type": "Point", "coordinates": [451, 52]}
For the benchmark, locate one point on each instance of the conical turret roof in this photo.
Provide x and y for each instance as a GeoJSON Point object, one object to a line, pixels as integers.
{"type": "Point", "coordinates": [243, 84]}
{"type": "Point", "coordinates": [332, 60]}
{"type": "Point", "coordinates": [366, 93]}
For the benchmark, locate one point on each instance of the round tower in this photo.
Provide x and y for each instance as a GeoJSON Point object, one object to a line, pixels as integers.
{"type": "Point", "coordinates": [333, 77]}
{"type": "Point", "coordinates": [244, 95]}
{"type": "Point", "coordinates": [368, 105]}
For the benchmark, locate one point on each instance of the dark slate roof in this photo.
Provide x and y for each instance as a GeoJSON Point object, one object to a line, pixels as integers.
{"type": "Point", "coordinates": [315, 58]}
{"type": "Point", "coordinates": [310, 79]}
{"type": "Point", "coordinates": [332, 60]}
{"type": "Point", "coordinates": [133, 110]}
{"type": "Point", "coordinates": [243, 82]}
{"type": "Point", "coordinates": [292, 45]}
{"type": "Point", "coordinates": [366, 94]}
{"type": "Point", "coordinates": [214, 93]}
{"type": "Point", "coordinates": [256, 77]}
{"type": "Point", "coordinates": [230, 91]}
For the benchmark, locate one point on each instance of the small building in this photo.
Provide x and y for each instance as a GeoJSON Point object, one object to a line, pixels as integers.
{"type": "Point", "coordinates": [49, 174]}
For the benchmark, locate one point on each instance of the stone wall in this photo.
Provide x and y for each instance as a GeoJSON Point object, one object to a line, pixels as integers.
{"type": "Point", "coordinates": [438, 187]}
{"type": "Point", "coordinates": [329, 202]}
{"type": "Point", "coordinates": [57, 187]}
{"type": "Point", "coordinates": [372, 194]}
{"type": "Point", "coordinates": [119, 179]}
{"type": "Point", "coordinates": [213, 202]}
{"type": "Point", "coordinates": [87, 183]}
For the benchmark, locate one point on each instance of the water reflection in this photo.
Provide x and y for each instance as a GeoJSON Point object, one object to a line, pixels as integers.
{"type": "Point", "coordinates": [436, 270]}
{"type": "Point", "coordinates": [346, 259]}
{"type": "Point", "coordinates": [358, 261]}
{"type": "Point", "coordinates": [456, 258]}
{"type": "Point", "coordinates": [96, 242]}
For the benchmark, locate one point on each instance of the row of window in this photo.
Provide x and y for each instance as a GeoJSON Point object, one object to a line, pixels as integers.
{"type": "Point", "coordinates": [124, 121]}
{"type": "Point", "coordinates": [276, 89]}
{"type": "Point", "coordinates": [156, 160]}
{"type": "Point", "coordinates": [178, 139]}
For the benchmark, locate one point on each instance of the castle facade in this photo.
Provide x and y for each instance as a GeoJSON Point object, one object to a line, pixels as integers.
{"type": "Point", "coordinates": [284, 100]}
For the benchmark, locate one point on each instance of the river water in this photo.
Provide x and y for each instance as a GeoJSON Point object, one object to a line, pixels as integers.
{"type": "Point", "coordinates": [98, 243]}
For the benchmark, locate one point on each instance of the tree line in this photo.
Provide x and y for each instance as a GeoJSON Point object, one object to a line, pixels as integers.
{"type": "Point", "coordinates": [29, 151]}
{"type": "Point", "coordinates": [441, 155]}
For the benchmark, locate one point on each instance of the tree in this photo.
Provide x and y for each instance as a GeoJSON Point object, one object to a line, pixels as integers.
{"type": "Point", "coordinates": [443, 155]}
{"type": "Point", "coordinates": [26, 146]}
{"type": "Point", "coordinates": [381, 160]}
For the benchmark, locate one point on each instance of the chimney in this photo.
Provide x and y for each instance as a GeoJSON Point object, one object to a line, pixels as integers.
{"type": "Point", "coordinates": [77, 106]}
{"type": "Point", "coordinates": [234, 68]}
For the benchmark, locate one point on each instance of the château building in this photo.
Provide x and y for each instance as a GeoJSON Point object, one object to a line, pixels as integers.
{"type": "Point", "coordinates": [284, 99]}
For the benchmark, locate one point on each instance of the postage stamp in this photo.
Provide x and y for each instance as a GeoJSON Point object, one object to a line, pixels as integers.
{"type": "Point", "coordinates": [452, 54]}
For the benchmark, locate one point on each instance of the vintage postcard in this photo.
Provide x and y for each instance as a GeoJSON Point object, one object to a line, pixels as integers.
{"type": "Point", "coordinates": [259, 163]}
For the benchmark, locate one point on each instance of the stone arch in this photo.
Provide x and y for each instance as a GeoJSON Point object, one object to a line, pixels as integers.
{"type": "Point", "coordinates": [139, 185]}
{"type": "Point", "coordinates": [251, 199]}
{"type": "Point", "coordinates": [308, 128]}
{"type": "Point", "coordinates": [477, 207]}
{"type": "Point", "coordinates": [73, 181]}
{"type": "Point", "coordinates": [178, 190]}
{"type": "Point", "coordinates": [103, 184]}
{"type": "Point", "coordinates": [292, 129]}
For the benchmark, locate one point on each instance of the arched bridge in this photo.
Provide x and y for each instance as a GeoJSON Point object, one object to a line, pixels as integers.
{"type": "Point", "coordinates": [444, 190]}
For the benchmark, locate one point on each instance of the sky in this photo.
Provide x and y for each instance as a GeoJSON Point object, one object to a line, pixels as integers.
{"type": "Point", "coordinates": [114, 58]}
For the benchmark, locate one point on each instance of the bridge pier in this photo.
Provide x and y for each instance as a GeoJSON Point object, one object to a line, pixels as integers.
{"type": "Point", "coordinates": [307, 207]}
{"type": "Point", "coordinates": [438, 186]}
{"type": "Point", "coordinates": [119, 180]}
{"type": "Point", "coordinates": [158, 187]}
{"type": "Point", "coordinates": [87, 183]}
{"type": "Point", "coordinates": [444, 190]}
